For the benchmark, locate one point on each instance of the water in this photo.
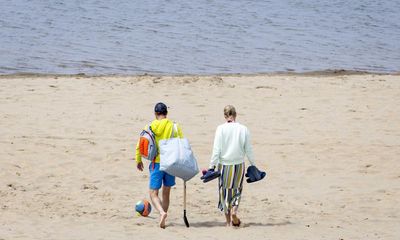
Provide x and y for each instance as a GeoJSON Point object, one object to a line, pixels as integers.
{"type": "Point", "coordinates": [198, 36]}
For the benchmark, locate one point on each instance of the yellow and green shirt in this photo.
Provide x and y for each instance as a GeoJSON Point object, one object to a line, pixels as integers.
{"type": "Point", "coordinates": [162, 129]}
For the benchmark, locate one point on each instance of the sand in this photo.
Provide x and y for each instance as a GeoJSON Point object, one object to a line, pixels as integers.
{"type": "Point", "coordinates": [330, 144]}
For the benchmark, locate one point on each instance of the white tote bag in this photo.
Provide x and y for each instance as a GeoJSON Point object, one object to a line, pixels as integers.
{"type": "Point", "coordinates": [176, 157]}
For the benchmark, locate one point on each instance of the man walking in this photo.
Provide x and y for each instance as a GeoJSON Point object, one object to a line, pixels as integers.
{"type": "Point", "coordinates": [162, 129]}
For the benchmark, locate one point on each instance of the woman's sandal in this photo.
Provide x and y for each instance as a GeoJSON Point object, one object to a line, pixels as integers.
{"type": "Point", "coordinates": [236, 224]}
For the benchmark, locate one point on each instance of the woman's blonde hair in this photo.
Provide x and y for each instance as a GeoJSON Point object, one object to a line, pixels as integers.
{"type": "Point", "coordinates": [229, 111]}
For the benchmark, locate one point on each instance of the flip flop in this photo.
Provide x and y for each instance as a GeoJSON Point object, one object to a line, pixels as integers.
{"type": "Point", "coordinates": [254, 175]}
{"type": "Point", "coordinates": [252, 179]}
{"type": "Point", "coordinates": [210, 175]}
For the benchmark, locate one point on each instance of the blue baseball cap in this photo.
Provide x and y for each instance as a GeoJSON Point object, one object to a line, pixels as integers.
{"type": "Point", "coordinates": [161, 108]}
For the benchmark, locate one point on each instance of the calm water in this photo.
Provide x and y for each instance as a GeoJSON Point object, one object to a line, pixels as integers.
{"type": "Point", "coordinates": [198, 36]}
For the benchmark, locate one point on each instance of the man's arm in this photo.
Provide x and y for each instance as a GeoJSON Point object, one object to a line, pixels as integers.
{"type": "Point", "coordinates": [138, 158]}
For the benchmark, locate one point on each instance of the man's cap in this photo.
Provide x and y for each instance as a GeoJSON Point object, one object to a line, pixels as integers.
{"type": "Point", "coordinates": [161, 108]}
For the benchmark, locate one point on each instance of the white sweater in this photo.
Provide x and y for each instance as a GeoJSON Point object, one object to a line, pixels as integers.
{"type": "Point", "coordinates": [231, 144]}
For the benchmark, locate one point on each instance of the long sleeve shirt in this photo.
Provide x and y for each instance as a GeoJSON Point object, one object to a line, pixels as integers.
{"type": "Point", "coordinates": [231, 144]}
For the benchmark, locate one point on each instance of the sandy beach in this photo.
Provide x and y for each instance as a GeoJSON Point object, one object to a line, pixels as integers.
{"type": "Point", "coordinates": [330, 144]}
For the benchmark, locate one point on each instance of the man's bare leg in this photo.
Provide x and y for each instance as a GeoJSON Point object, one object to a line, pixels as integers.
{"type": "Point", "coordinates": [159, 206]}
{"type": "Point", "coordinates": [165, 197]}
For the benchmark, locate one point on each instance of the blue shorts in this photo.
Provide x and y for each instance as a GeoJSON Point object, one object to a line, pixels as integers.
{"type": "Point", "coordinates": [158, 178]}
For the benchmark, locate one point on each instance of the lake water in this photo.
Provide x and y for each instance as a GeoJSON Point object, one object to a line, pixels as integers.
{"type": "Point", "coordinates": [100, 37]}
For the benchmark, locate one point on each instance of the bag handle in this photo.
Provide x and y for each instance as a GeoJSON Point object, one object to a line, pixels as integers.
{"type": "Point", "coordinates": [149, 128]}
{"type": "Point", "coordinates": [174, 128]}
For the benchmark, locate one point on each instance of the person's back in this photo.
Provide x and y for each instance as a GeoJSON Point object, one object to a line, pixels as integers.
{"type": "Point", "coordinates": [234, 139]}
{"type": "Point", "coordinates": [162, 129]}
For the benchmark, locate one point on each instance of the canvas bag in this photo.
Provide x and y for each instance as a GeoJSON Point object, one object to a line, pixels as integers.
{"type": "Point", "coordinates": [176, 157]}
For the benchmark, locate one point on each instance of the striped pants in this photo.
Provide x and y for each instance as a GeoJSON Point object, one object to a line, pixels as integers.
{"type": "Point", "coordinates": [230, 186]}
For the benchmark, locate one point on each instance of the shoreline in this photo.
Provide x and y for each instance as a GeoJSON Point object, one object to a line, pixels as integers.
{"type": "Point", "coordinates": [318, 73]}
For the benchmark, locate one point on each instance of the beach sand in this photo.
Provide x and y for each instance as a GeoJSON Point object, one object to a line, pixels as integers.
{"type": "Point", "coordinates": [330, 144]}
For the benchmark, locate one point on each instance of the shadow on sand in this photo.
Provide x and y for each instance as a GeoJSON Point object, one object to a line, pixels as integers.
{"type": "Point", "coordinates": [209, 224]}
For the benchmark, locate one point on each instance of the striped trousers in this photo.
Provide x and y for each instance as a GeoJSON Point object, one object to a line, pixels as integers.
{"type": "Point", "coordinates": [230, 186]}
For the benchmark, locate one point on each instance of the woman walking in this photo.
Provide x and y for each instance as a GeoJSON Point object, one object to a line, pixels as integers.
{"type": "Point", "coordinates": [231, 144]}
